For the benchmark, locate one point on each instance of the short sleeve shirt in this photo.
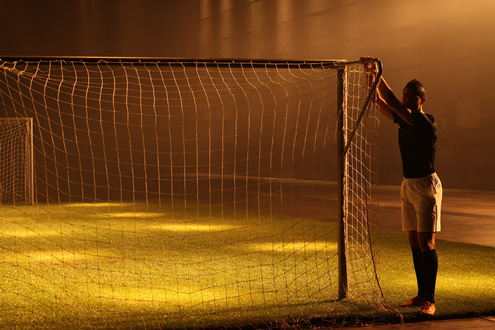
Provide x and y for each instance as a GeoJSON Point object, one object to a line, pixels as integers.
{"type": "Point", "coordinates": [417, 144]}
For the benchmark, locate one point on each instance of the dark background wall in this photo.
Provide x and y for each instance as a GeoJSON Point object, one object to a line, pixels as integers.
{"type": "Point", "coordinates": [448, 44]}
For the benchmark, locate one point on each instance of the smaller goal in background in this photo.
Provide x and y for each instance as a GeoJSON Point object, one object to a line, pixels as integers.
{"type": "Point", "coordinates": [16, 161]}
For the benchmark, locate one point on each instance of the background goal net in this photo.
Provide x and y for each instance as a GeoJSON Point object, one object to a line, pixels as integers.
{"type": "Point", "coordinates": [186, 193]}
{"type": "Point", "coordinates": [16, 160]}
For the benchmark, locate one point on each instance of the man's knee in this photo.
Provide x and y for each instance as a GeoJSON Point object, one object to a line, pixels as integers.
{"type": "Point", "coordinates": [413, 239]}
{"type": "Point", "coordinates": [426, 241]}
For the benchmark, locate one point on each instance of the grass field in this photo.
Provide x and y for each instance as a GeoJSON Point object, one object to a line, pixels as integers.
{"type": "Point", "coordinates": [464, 284]}
{"type": "Point", "coordinates": [134, 265]}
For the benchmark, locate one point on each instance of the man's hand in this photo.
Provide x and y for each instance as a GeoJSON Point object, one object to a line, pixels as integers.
{"type": "Point", "coordinates": [369, 65]}
{"type": "Point", "coordinates": [370, 68]}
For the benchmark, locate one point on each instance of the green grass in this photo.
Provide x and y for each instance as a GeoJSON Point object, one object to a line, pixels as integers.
{"type": "Point", "coordinates": [464, 283]}
{"type": "Point", "coordinates": [135, 265]}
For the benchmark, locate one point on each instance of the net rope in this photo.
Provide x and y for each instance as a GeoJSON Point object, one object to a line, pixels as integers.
{"type": "Point", "coordinates": [183, 194]}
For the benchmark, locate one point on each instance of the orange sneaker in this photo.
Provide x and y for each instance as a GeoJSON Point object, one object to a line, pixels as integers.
{"type": "Point", "coordinates": [428, 309]}
{"type": "Point", "coordinates": [416, 301]}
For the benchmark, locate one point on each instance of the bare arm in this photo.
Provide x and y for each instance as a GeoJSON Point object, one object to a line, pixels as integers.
{"type": "Point", "coordinates": [389, 103]}
{"type": "Point", "coordinates": [385, 109]}
{"type": "Point", "coordinates": [387, 94]}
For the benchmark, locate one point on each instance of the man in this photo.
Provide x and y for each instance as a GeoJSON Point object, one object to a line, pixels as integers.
{"type": "Point", "coordinates": [421, 189]}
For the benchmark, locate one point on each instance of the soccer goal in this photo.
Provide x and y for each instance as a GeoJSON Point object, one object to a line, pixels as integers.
{"type": "Point", "coordinates": [16, 161]}
{"type": "Point", "coordinates": [187, 193]}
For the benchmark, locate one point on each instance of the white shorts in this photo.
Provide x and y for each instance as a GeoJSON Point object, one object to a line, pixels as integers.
{"type": "Point", "coordinates": [421, 204]}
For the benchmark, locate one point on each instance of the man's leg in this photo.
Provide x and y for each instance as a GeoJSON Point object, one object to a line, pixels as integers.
{"type": "Point", "coordinates": [418, 268]}
{"type": "Point", "coordinates": [430, 264]}
{"type": "Point", "coordinates": [417, 261]}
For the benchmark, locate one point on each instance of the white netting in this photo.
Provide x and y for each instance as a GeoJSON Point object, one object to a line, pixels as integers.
{"type": "Point", "coordinates": [16, 162]}
{"type": "Point", "coordinates": [182, 194]}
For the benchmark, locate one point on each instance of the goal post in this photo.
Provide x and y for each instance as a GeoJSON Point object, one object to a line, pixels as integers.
{"type": "Point", "coordinates": [189, 193]}
{"type": "Point", "coordinates": [341, 184]}
{"type": "Point", "coordinates": [347, 127]}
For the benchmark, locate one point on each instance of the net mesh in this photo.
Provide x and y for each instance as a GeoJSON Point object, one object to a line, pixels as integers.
{"type": "Point", "coordinates": [184, 194]}
{"type": "Point", "coordinates": [16, 162]}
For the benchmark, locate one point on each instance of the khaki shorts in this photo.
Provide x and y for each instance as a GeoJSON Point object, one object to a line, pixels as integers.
{"type": "Point", "coordinates": [421, 204]}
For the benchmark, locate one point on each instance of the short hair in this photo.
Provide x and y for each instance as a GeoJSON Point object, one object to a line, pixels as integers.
{"type": "Point", "coordinates": [418, 87]}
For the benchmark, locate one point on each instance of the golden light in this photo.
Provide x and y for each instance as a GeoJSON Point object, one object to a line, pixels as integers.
{"type": "Point", "coordinates": [293, 247]}
{"type": "Point", "coordinates": [59, 257]}
{"type": "Point", "coordinates": [131, 215]}
{"type": "Point", "coordinates": [193, 227]}
{"type": "Point", "coordinates": [29, 233]}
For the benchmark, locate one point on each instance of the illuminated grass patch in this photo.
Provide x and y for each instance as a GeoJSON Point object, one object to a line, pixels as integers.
{"type": "Point", "coordinates": [100, 266]}
{"type": "Point", "coordinates": [81, 264]}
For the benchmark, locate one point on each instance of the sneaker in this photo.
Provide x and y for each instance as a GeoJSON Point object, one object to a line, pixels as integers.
{"type": "Point", "coordinates": [428, 309]}
{"type": "Point", "coordinates": [416, 301]}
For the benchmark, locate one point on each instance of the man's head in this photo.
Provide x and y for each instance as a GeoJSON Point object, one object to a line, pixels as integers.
{"type": "Point", "coordinates": [414, 94]}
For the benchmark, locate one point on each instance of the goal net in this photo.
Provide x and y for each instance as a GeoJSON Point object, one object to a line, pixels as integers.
{"type": "Point", "coordinates": [187, 193]}
{"type": "Point", "coordinates": [16, 161]}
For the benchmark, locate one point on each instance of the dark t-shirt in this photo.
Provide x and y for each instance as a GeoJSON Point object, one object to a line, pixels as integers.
{"type": "Point", "coordinates": [417, 145]}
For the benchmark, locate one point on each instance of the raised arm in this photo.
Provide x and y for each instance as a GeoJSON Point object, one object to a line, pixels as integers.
{"type": "Point", "coordinates": [386, 100]}
{"type": "Point", "coordinates": [387, 94]}
{"type": "Point", "coordinates": [389, 103]}
{"type": "Point", "coordinates": [384, 108]}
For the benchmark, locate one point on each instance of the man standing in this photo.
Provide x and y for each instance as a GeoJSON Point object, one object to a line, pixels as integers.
{"type": "Point", "coordinates": [421, 189]}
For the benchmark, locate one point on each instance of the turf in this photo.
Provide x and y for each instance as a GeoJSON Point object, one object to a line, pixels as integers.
{"type": "Point", "coordinates": [134, 265]}
{"type": "Point", "coordinates": [464, 282]}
